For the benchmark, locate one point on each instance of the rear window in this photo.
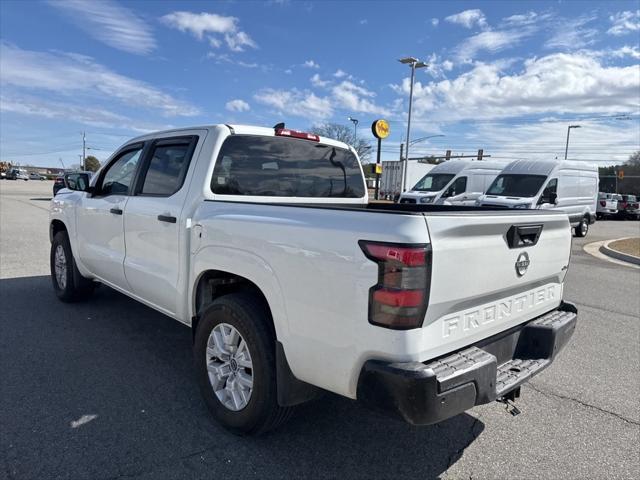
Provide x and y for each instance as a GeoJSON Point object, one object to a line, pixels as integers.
{"type": "Point", "coordinates": [285, 167]}
{"type": "Point", "coordinates": [516, 185]}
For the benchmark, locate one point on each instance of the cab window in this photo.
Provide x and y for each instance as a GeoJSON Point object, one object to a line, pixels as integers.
{"type": "Point", "coordinates": [119, 175]}
{"type": "Point", "coordinates": [457, 187]}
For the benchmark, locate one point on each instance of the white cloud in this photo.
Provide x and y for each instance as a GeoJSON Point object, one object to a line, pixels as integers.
{"type": "Point", "coordinates": [237, 105]}
{"type": "Point", "coordinates": [225, 58]}
{"type": "Point", "coordinates": [295, 102]}
{"type": "Point", "coordinates": [447, 65]}
{"type": "Point", "coordinates": [546, 140]}
{"type": "Point", "coordinates": [558, 83]}
{"type": "Point", "coordinates": [528, 18]}
{"type": "Point", "coordinates": [73, 75]}
{"type": "Point", "coordinates": [349, 96]}
{"type": "Point", "coordinates": [310, 64]}
{"type": "Point", "coordinates": [316, 81]}
{"type": "Point", "coordinates": [469, 18]}
{"type": "Point", "coordinates": [110, 23]}
{"type": "Point", "coordinates": [288, 71]}
{"type": "Point", "coordinates": [340, 73]}
{"type": "Point", "coordinates": [624, 22]}
{"type": "Point", "coordinates": [573, 34]}
{"type": "Point", "coordinates": [98, 117]}
{"type": "Point", "coordinates": [627, 51]}
{"type": "Point", "coordinates": [364, 21]}
{"type": "Point", "coordinates": [199, 24]}
{"type": "Point", "coordinates": [492, 41]}
{"type": "Point", "coordinates": [435, 22]}
{"type": "Point", "coordinates": [345, 96]}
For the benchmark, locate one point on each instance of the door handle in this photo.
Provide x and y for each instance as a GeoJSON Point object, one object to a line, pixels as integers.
{"type": "Point", "coordinates": [167, 218]}
{"type": "Point", "coordinates": [116, 211]}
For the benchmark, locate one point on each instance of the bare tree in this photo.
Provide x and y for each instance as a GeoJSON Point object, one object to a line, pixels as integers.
{"type": "Point", "coordinates": [344, 133]}
{"type": "Point", "coordinates": [634, 159]}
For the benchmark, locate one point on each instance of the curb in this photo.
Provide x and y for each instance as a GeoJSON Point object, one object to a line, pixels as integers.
{"type": "Point", "coordinates": [604, 248]}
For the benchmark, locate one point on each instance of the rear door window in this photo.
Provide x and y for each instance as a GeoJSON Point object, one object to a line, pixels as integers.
{"type": "Point", "coordinates": [167, 166]}
{"type": "Point", "coordinates": [285, 167]}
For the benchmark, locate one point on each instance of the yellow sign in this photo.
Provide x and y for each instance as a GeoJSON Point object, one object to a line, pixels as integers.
{"type": "Point", "coordinates": [380, 129]}
{"type": "Point", "coordinates": [621, 174]}
{"type": "Point", "coordinates": [378, 169]}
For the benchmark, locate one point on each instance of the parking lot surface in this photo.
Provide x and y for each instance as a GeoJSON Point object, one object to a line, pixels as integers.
{"type": "Point", "coordinates": [105, 389]}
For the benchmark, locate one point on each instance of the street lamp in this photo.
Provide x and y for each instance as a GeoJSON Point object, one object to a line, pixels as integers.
{"type": "Point", "coordinates": [566, 149]}
{"type": "Point", "coordinates": [414, 63]}
{"type": "Point", "coordinates": [422, 139]}
{"type": "Point", "coordinates": [355, 128]}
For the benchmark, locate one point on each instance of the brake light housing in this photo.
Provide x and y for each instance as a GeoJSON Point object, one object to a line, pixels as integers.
{"type": "Point", "coordinates": [287, 132]}
{"type": "Point", "coordinates": [400, 298]}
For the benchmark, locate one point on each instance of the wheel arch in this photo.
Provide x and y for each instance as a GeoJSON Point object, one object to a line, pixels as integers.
{"type": "Point", "coordinates": [56, 226]}
{"type": "Point", "coordinates": [212, 284]}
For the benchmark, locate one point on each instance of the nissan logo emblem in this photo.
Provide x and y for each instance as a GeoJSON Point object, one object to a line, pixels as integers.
{"type": "Point", "coordinates": [522, 263]}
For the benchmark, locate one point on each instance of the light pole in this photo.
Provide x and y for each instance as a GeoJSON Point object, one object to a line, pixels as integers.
{"type": "Point", "coordinates": [355, 128]}
{"type": "Point", "coordinates": [422, 139]}
{"type": "Point", "coordinates": [414, 63]}
{"type": "Point", "coordinates": [566, 149]}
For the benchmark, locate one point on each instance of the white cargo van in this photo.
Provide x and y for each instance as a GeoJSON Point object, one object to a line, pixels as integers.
{"type": "Point", "coordinates": [456, 182]}
{"type": "Point", "coordinates": [391, 178]}
{"type": "Point", "coordinates": [571, 187]}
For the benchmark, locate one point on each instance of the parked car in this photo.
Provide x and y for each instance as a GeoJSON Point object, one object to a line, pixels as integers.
{"type": "Point", "coordinates": [570, 187]}
{"type": "Point", "coordinates": [36, 176]}
{"type": "Point", "coordinates": [456, 182]}
{"type": "Point", "coordinates": [607, 205]}
{"type": "Point", "coordinates": [263, 242]}
{"type": "Point", "coordinates": [628, 207]}
{"type": "Point", "coordinates": [17, 174]}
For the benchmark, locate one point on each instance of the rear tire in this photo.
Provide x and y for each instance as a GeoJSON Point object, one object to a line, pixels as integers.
{"type": "Point", "coordinates": [244, 410]}
{"type": "Point", "coordinates": [583, 227]}
{"type": "Point", "coordinates": [68, 284]}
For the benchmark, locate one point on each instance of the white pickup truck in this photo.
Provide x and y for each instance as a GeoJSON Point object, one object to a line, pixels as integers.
{"type": "Point", "coordinates": [264, 243]}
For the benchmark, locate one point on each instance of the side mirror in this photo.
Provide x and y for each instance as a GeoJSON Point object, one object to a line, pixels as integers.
{"type": "Point", "coordinates": [77, 181]}
{"type": "Point", "coordinates": [553, 198]}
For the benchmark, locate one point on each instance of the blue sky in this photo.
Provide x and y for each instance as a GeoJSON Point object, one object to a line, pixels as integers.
{"type": "Point", "coordinates": [504, 76]}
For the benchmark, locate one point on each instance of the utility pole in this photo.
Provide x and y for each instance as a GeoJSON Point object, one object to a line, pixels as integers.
{"type": "Point", "coordinates": [84, 151]}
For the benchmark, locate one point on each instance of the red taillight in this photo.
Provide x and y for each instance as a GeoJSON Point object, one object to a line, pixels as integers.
{"type": "Point", "coordinates": [603, 203]}
{"type": "Point", "coordinates": [399, 299]}
{"type": "Point", "coordinates": [285, 132]}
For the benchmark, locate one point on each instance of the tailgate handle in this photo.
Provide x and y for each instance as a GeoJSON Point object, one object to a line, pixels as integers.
{"type": "Point", "coordinates": [523, 235]}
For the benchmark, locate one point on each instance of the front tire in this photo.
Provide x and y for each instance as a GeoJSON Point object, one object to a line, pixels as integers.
{"type": "Point", "coordinates": [235, 365]}
{"type": "Point", "coordinates": [68, 284]}
{"type": "Point", "coordinates": [583, 227]}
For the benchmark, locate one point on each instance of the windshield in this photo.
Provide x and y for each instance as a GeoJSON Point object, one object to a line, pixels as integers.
{"type": "Point", "coordinates": [285, 167]}
{"type": "Point", "coordinates": [516, 185]}
{"type": "Point", "coordinates": [433, 182]}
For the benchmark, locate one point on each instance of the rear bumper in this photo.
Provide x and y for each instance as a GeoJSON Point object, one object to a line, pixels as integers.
{"type": "Point", "coordinates": [426, 393]}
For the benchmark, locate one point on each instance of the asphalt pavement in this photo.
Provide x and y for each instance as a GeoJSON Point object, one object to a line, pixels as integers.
{"type": "Point", "coordinates": [105, 390]}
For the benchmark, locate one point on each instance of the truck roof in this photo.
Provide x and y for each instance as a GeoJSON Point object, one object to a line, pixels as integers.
{"type": "Point", "coordinates": [238, 129]}
{"type": "Point", "coordinates": [545, 167]}
{"type": "Point", "coordinates": [456, 166]}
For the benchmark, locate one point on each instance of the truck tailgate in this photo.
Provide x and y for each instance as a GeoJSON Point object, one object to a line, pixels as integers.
{"type": "Point", "coordinates": [490, 273]}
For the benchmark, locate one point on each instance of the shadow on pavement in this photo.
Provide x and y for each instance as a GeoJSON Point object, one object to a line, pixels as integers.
{"type": "Point", "coordinates": [41, 199]}
{"type": "Point", "coordinates": [130, 367]}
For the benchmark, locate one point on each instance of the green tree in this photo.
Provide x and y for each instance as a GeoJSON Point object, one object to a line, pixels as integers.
{"type": "Point", "coordinates": [91, 164]}
{"type": "Point", "coordinates": [344, 133]}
